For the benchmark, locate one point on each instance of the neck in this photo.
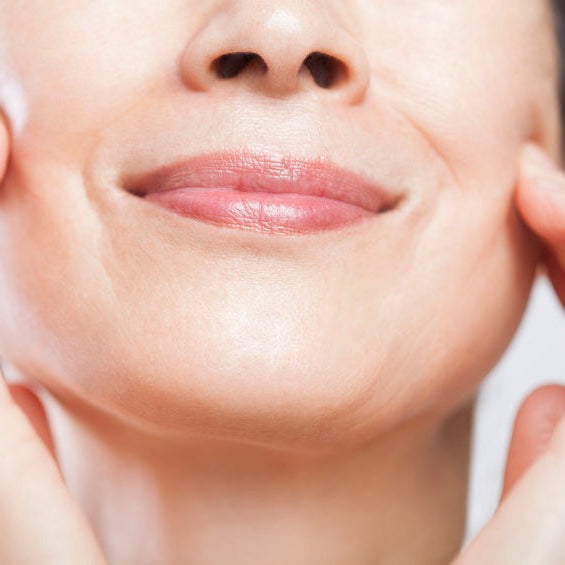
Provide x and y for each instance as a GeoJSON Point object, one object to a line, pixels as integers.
{"type": "Point", "coordinates": [399, 500]}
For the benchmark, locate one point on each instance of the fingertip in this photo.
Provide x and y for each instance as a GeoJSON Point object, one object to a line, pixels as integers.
{"type": "Point", "coordinates": [540, 194]}
{"type": "Point", "coordinates": [542, 404]}
{"type": "Point", "coordinates": [534, 424]}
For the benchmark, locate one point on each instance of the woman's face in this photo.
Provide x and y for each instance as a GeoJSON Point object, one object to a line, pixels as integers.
{"type": "Point", "coordinates": [319, 338]}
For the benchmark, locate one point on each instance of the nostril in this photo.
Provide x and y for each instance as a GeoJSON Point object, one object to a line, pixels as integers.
{"type": "Point", "coordinates": [231, 64]}
{"type": "Point", "coordinates": [327, 71]}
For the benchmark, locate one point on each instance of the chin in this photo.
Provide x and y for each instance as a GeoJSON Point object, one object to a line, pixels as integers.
{"type": "Point", "coordinates": [294, 383]}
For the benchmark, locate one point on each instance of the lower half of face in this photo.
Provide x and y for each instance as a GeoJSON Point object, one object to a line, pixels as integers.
{"type": "Point", "coordinates": [312, 340]}
{"type": "Point", "coordinates": [293, 340]}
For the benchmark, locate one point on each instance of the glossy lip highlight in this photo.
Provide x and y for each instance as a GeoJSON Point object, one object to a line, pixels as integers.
{"type": "Point", "coordinates": [319, 191]}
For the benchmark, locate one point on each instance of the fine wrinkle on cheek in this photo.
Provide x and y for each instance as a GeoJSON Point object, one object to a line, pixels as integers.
{"type": "Point", "coordinates": [435, 148]}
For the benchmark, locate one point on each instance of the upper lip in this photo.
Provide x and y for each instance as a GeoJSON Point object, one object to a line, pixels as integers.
{"type": "Point", "coordinates": [253, 172]}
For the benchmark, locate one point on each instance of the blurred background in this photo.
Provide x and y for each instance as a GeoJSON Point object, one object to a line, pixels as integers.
{"type": "Point", "coordinates": [535, 357]}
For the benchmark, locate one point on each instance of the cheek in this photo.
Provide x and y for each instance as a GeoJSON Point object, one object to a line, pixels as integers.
{"type": "Point", "coordinates": [469, 82]}
{"type": "Point", "coordinates": [480, 265]}
{"type": "Point", "coordinates": [79, 66]}
{"type": "Point", "coordinates": [50, 276]}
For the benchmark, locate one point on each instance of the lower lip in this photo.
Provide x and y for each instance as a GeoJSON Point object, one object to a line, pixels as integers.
{"type": "Point", "coordinates": [259, 211]}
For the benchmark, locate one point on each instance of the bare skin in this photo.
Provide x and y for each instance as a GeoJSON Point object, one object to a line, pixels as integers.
{"type": "Point", "coordinates": [215, 396]}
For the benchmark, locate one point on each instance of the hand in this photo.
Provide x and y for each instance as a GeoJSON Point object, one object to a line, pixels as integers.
{"type": "Point", "coordinates": [529, 525]}
{"type": "Point", "coordinates": [541, 201]}
{"type": "Point", "coordinates": [39, 520]}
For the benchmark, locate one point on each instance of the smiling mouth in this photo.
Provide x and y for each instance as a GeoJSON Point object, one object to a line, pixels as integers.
{"type": "Point", "coordinates": [262, 193]}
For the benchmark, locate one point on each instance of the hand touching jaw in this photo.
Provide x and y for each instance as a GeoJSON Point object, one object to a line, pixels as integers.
{"type": "Point", "coordinates": [528, 526]}
{"type": "Point", "coordinates": [40, 521]}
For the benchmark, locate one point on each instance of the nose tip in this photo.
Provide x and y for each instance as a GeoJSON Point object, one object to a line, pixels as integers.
{"type": "Point", "coordinates": [278, 52]}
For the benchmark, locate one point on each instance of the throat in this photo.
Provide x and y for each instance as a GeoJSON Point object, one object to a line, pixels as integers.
{"type": "Point", "coordinates": [399, 500]}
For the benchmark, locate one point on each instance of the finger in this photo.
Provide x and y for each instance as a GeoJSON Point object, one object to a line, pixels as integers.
{"type": "Point", "coordinates": [4, 145]}
{"type": "Point", "coordinates": [540, 198]}
{"type": "Point", "coordinates": [31, 406]}
{"type": "Point", "coordinates": [529, 526]}
{"type": "Point", "coordinates": [39, 521]}
{"type": "Point", "coordinates": [534, 424]}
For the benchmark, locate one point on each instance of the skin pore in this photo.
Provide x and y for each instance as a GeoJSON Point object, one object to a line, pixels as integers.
{"type": "Point", "coordinates": [222, 396]}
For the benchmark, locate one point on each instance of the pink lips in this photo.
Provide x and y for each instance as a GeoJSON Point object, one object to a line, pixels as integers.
{"type": "Point", "coordinates": [263, 193]}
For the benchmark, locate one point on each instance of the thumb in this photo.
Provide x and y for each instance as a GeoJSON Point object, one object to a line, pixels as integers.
{"type": "Point", "coordinates": [528, 526]}
{"type": "Point", "coordinates": [535, 422]}
{"type": "Point", "coordinates": [39, 520]}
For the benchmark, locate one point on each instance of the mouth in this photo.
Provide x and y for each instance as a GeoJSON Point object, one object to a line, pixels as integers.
{"type": "Point", "coordinates": [263, 193]}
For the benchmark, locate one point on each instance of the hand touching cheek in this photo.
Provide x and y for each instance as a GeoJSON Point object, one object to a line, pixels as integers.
{"type": "Point", "coordinates": [541, 202]}
{"type": "Point", "coordinates": [39, 520]}
{"type": "Point", "coordinates": [529, 525]}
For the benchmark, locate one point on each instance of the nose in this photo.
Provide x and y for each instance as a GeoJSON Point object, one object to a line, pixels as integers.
{"type": "Point", "coordinates": [278, 48]}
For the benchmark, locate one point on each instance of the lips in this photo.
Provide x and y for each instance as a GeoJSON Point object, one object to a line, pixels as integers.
{"type": "Point", "coordinates": [262, 192]}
